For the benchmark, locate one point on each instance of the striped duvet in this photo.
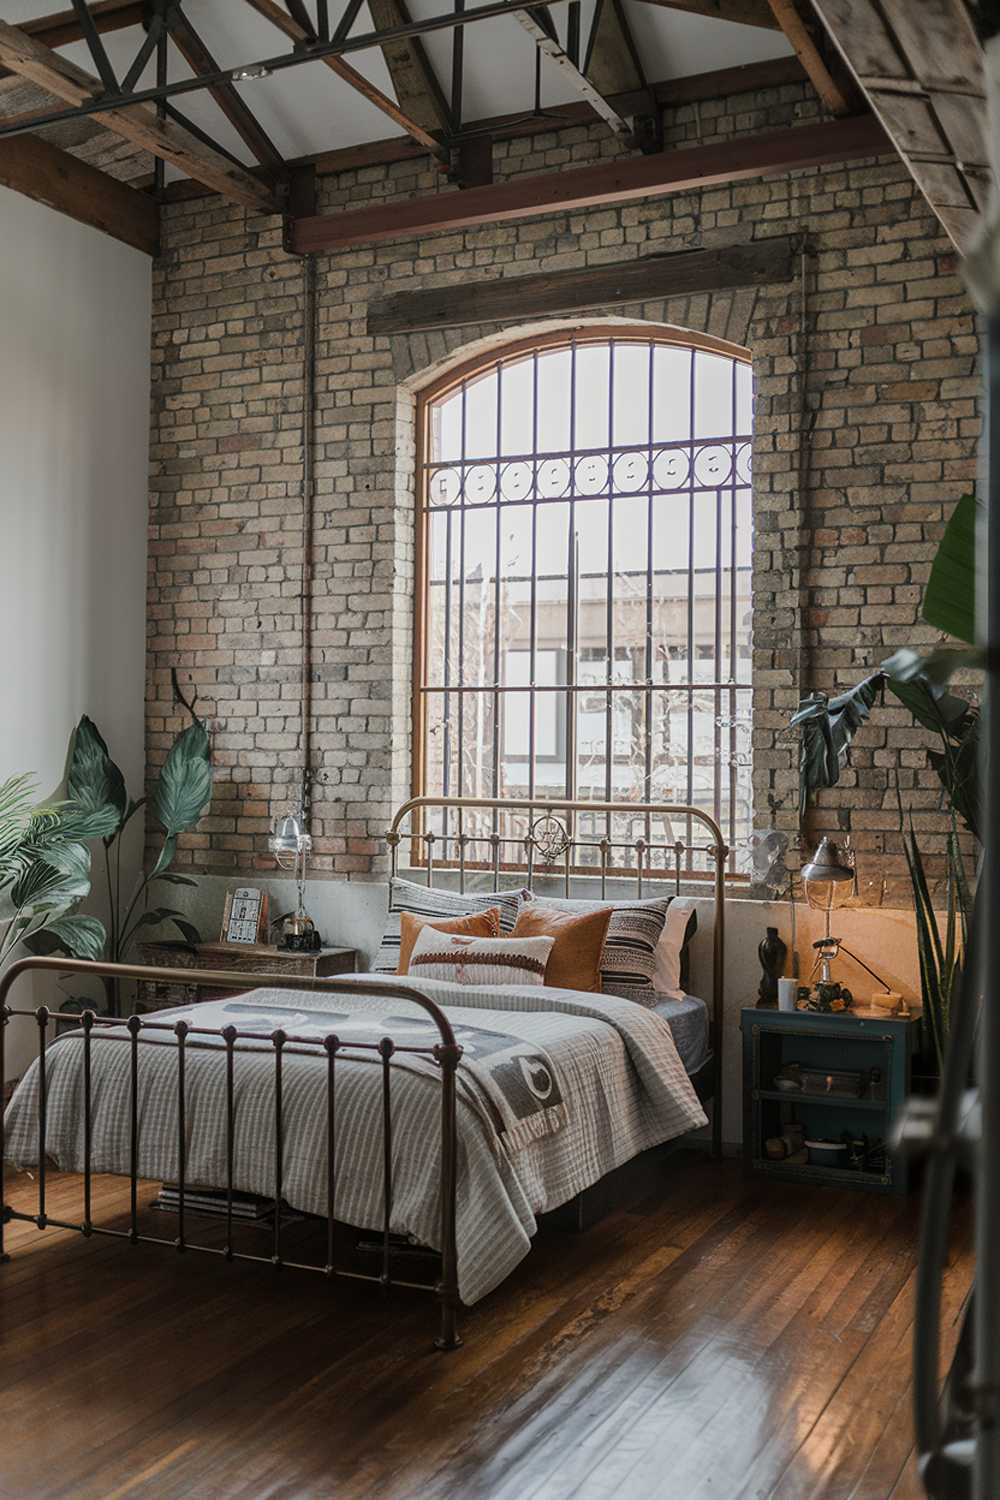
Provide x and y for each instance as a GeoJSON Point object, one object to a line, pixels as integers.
{"type": "Point", "coordinates": [618, 1070]}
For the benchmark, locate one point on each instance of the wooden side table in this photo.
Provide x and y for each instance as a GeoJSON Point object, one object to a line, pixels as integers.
{"type": "Point", "coordinates": [252, 959]}
{"type": "Point", "coordinates": [878, 1048]}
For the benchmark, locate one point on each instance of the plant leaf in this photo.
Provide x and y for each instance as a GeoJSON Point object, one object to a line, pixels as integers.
{"type": "Point", "coordinates": [53, 879]}
{"type": "Point", "coordinates": [164, 857]}
{"type": "Point", "coordinates": [79, 936]}
{"type": "Point", "coordinates": [95, 783]}
{"type": "Point", "coordinates": [184, 789]}
{"type": "Point", "coordinates": [828, 726]}
{"type": "Point", "coordinates": [950, 595]}
{"type": "Point", "coordinates": [172, 878]}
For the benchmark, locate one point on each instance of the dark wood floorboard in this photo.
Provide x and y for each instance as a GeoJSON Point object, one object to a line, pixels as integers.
{"type": "Point", "coordinates": [722, 1339]}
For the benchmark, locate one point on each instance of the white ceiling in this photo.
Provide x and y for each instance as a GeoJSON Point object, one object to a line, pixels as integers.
{"type": "Point", "coordinates": [307, 109]}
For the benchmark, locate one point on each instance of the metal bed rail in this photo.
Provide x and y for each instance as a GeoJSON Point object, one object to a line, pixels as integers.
{"type": "Point", "coordinates": [446, 1053]}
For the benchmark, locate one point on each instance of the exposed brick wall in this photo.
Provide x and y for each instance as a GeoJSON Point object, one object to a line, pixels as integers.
{"type": "Point", "coordinates": [889, 440]}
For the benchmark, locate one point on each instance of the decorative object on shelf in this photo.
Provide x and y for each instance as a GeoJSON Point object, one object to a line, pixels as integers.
{"type": "Point", "coordinates": [788, 993]}
{"type": "Point", "coordinates": [244, 917]}
{"type": "Point", "coordinates": [291, 846]}
{"type": "Point", "coordinates": [787, 1145]}
{"type": "Point", "coordinates": [827, 1154]}
{"type": "Point", "coordinates": [838, 1082]}
{"type": "Point", "coordinates": [828, 881]}
{"type": "Point", "coordinates": [772, 952]}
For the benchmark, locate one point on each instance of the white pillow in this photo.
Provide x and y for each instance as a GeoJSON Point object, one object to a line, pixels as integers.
{"type": "Point", "coordinates": [471, 960]}
{"type": "Point", "coordinates": [667, 969]}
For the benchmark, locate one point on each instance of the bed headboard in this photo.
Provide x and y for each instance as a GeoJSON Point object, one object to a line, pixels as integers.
{"type": "Point", "coordinates": [524, 838]}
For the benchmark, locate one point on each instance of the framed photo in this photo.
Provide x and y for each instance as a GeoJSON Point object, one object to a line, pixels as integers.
{"type": "Point", "coordinates": [244, 919]}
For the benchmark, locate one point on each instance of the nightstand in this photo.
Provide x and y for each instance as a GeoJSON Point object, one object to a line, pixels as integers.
{"type": "Point", "coordinates": [252, 959]}
{"type": "Point", "coordinates": [856, 1076]}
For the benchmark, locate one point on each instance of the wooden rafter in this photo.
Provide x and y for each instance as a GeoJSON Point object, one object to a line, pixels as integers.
{"type": "Point", "coordinates": [613, 63]}
{"type": "Point", "coordinates": [275, 13]}
{"type": "Point", "coordinates": [24, 55]}
{"type": "Point", "coordinates": [789, 18]}
{"type": "Point", "coordinates": [921, 69]}
{"type": "Point", "coordinates": [48, 175]}
{"type": "Point", "coordinates": [608, 182]}
{"type": "Point", "coordinates": [717, 84]}
{"type": "Point", "coordinates": [417, 88]}
{"type": "Point", "coordinates": [198, 58]}
{"type": "Point", "coordinates": [539, 25]}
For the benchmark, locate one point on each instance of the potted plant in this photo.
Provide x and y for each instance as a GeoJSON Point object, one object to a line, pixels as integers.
{"type": "Point", "coordinates": [177, 803]}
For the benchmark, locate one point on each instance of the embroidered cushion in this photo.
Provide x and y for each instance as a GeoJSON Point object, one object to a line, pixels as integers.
{"type": "Point", "coordinates": [477, 924]}
{"type": "Point", "coordinates": [575, 961]}
{"type": "Point", "coordinates": [469, 960]}
{"type": "Point", "coordinates": [430, 903]}
{"type": "Point", "coordinates": [629, 958]}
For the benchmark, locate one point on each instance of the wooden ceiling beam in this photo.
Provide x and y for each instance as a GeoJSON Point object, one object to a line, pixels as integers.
{"type": "Point", "coordinates": [608, 182]}
{"type": "Point", "coordinates": [138, 123]}
{"type": "Point", "coordinates": [417, 88]}
{"type": "Point", "coordinates": [41, 171]}
{"type": "Point", "coordinates": [63, 28]}
{"type": "Point", "coordinates": [718, 84]}
{"type": "Point", "coordinates": [538, 25]}
{"type": "Point", "coordinates": [789, 18]}
{"type": "Point", "coordinates": [279, 17]}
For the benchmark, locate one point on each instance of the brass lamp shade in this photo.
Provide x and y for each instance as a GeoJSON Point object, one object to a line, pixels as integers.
{"type": "Point", "coordinates": [828, 880]}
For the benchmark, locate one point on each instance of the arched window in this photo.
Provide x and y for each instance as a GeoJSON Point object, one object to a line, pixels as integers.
{"type": "Point", "coordinates": [584, 542]}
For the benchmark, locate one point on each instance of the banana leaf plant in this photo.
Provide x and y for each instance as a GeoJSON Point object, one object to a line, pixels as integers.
{"type": "Point", "coordinates": [177, 803]}
{"type": "Point", "coordinates": [44, 874]}
{"type": "Point", "coordinates": [920, 681]}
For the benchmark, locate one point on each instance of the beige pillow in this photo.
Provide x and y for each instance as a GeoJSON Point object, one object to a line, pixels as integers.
{"type": "Point", "coordinates": [481, 924]}
{"type": "Point", "coordinates": [575, 960]}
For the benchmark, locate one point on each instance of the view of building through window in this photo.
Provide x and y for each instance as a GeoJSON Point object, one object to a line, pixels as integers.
{"type": "Point", "coordinates": [587, 562]}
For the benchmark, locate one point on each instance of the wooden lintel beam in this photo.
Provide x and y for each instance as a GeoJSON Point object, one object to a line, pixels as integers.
{"type": "Point", "coordinates": [279, 17]}
{"type": "Point", "coordinates": [557, 293]}
{"type": "Point", "coordinates": [608, 182]}
{"type": "Point", "coordinates": [788, 17]}
{"type": "Point", "coordinates": [138, 123]}
{"type": "Point", "coordinates": [41, 171]}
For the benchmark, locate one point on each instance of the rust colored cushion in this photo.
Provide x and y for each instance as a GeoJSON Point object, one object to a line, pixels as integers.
{"type": "Point", "coordinates": [575, 960]}
{"type": "Point", "coordinates": [484, 924]}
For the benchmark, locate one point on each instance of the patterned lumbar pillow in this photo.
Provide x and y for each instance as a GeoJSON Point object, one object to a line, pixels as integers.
{"type": "Point", "coordinates": [432, 904]}
{"type": "Point", "coordinates": [476, 924]}
{"type": "Point", "coordinates": [469, 960]}
{"type": "Point", "coordinates": [628, 961]}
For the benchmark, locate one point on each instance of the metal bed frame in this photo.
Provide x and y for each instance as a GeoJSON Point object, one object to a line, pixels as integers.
{"type": "Point", "coordinates": [539, 844]}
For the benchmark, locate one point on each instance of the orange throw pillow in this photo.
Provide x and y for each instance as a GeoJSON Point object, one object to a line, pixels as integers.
{"type": "Point", "coordinates": [484, 924]}
{"type": "Point", "coordinates": [575, 960]}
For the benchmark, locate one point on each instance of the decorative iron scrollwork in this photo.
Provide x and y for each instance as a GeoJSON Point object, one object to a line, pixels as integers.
{"type": "Point", "coordinates": [550, 838]}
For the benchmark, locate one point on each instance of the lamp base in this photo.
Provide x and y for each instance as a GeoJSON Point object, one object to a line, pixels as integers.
{"type": "Point", "coordinates": [299, 935]}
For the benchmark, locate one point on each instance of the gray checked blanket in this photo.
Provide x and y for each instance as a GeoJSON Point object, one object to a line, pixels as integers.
{"type": "Point", "coordinates": [555, 1089]}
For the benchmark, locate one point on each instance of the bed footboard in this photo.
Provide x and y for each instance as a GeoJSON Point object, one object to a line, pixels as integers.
{"type": "Point", "coordinates": [445, 1053]}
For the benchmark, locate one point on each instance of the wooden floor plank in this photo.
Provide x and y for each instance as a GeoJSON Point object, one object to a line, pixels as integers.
{"type": "Point", "coordinates": [738, 1338]}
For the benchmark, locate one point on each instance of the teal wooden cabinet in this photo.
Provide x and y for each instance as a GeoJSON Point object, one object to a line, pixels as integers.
{"type": "Point", "coordinates": [855, 1076]}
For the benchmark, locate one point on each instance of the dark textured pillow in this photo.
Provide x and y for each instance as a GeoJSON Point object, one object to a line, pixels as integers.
{"type": "Point", "coordinates": [629, 958]}
{"type": "Point", "coordinates": [428, 901]}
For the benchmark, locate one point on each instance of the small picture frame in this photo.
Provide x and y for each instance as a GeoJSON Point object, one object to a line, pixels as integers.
{"type": "Point", "coordinates": [244, 918]}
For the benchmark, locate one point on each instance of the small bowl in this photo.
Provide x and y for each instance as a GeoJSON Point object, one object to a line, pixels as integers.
{"type": "Point", "coordinates": [827, 1153]}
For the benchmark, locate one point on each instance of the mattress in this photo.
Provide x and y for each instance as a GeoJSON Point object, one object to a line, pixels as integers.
{"type": "Point", "coordinates": [688, 1022]}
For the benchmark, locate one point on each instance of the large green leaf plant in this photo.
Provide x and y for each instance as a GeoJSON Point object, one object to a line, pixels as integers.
{"type": "Point", "coordinates": [177, 803]}
{"type": "Point", "coordinates": [45, 874]}
{"type": "Point", "coordinates": [921, 682]}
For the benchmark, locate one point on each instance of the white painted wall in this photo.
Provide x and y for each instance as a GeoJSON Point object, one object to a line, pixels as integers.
{"type": "Point", "coordinates": [74, 421]}
{"type": "Point", "coordinates": [352, 914]}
